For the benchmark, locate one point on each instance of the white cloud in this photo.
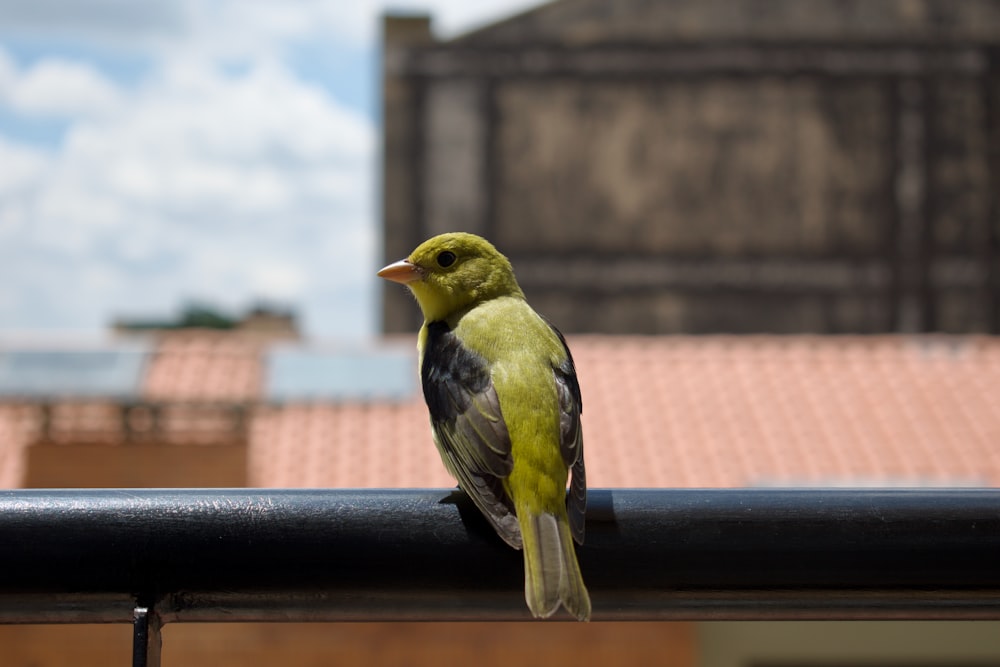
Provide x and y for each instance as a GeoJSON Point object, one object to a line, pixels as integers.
{"type": "Point", "coordinates": [8, 72]}
{"type": "Point", "coordinates": [61, 88]}
{"type": "Point", "coordinates": [202, 180]}
{"type": "Point", "coordinates": [97, 19]}
{"type": "Point", "coordinates": [23, 166]}
{"type": "Point", "coordinates": [280, 280]}
{"type": "Point", "coordinates": [235, 28]}
{"type": "Point", "coordinates": [197, 29]}
{"type": "Point", "coordinates": [261, 26]}
{"type": "Point", "coordinates": [201, 186]}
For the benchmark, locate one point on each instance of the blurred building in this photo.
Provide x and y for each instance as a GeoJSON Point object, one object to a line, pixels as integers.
{"type": "Point", "coordinates": [788, 166]}
{"type": "Point", "coordinates": [262, 319]}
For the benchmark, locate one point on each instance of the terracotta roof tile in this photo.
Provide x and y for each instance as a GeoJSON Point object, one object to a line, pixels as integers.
{"type": "Point", "coordinates": [348, 445]}
{"type": "Point", "coordinates": [658, 412]}
{"type": "Point", "coordinates": [18, 425]}
{"type": "Point", "coordinates": [731, 411]}
{"type": "Point", "coordinates": [205, 366]}
{"type": "Point", "coordinates": [704, 411]}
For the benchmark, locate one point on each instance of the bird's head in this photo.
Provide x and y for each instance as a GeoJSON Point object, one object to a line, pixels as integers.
{"type": "Point", "coordinates": [452, 271]}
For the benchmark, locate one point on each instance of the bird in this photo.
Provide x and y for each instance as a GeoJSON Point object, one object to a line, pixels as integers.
{"type": "Point", "coordinates": [504, 402]}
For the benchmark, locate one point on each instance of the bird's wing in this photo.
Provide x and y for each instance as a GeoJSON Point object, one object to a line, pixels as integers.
{"type": "Point", "coordinates": [469, 429]}
{"type": "Point", "coordinates": [571, 438]}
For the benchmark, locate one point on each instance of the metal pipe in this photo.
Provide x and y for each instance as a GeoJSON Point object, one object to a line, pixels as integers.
{"type": "Point", "coordinates": [321, 555]}
{"type": "Point", "coordinates": [146, 638]}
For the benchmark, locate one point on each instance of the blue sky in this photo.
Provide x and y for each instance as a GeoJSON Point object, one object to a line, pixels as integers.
{"type": "Point", "coordinates": [215, 151]}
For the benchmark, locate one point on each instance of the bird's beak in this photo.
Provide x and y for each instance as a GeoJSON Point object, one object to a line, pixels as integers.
{"type": "Point", "coordinates": [402, 272]}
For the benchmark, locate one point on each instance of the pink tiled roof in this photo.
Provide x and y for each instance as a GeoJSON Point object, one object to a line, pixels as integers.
{"type": "Point", "coordinates": [735, 411]}
{"type": "Point", "coordinates": [718, 411]}
{"type": "Point", "coordinates": [347, 445]}
{"type": "Point", "coordinates": [206, 366]}
{"type": "Point", "coordinates": [703, 411]}
{"type": "Point", "coordinates": [18, 424]}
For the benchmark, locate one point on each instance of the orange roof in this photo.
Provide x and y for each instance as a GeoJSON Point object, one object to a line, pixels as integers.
{"type": "Point", "coordinates": [203, 365]}
{"type": "Point", "coordinates": [736, 411]}
{"type": "Point", "coordinates": [717, 411]}
{"type": "Point", "coordinates": [703, 411]}
{"type": "Point", "coordinates": [17, 427]}
{"type": "Point", "coordinates": [342, 446]}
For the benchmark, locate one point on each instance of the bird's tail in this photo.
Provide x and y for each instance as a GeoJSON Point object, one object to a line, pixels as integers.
{"type": "Point", "coordinates": [551, 572]}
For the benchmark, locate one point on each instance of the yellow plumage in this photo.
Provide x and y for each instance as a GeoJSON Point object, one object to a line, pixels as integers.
{"type": "Point", "coordinates": [505, 408]}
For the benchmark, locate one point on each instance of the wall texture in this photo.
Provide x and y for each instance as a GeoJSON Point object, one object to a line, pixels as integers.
{"type": "Point", "coordinates": [723, 166]}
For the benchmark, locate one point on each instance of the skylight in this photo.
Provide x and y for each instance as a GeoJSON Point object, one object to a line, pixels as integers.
{"type": "Point", "coordinates": [105, 372]}
{"type": "Point", "coordinates": [304, 374]}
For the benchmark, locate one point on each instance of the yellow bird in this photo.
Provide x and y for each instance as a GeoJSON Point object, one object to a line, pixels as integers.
{"type": "Point", "coordinates": [505, 405]}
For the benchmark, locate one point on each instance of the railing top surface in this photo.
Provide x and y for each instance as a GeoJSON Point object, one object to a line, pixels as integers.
{"type": "Point", "coordinates": [244, 554]}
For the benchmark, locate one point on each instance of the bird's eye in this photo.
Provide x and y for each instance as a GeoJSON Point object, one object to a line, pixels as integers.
{"type": "Point", "coordinates": [446, 259]}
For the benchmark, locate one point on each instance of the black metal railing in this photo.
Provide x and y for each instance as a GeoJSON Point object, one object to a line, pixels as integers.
{"type": "Point", "coordinates": [154, 556]}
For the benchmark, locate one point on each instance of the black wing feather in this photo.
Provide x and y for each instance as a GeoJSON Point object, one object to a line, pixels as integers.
{"type": "Point", "coordinates": [468, 425]}
{"type": "Point", "coordinates": [571, 438]}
